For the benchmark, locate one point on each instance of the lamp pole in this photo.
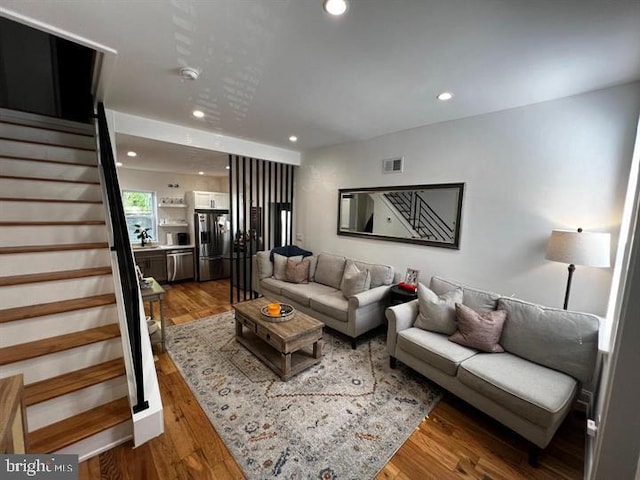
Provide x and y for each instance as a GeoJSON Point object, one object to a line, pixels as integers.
{"type": "Point", "coordinates": [572, 268]}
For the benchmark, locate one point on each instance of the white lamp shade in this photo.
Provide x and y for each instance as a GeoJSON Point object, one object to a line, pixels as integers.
{"type": "Point", "coordinates": [580, 248]}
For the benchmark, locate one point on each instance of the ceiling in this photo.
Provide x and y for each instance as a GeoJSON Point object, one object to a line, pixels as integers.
{"type": "Point", "coordinates": [275, 68]}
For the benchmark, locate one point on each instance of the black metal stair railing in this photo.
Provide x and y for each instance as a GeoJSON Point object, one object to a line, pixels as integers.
{"type": "Point", "coordinates": [126, 265]}
{"type": "Point", "coordinates": [424, 220]}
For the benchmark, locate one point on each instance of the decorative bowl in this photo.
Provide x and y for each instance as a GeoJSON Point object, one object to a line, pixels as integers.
{"type": "Point", "coordinates": [286, 313]}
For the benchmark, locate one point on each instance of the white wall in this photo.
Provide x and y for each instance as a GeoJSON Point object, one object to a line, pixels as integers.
{"type": "Point", "coordinates": [158, 182]}
{"type": "Point", "coordinates": [558, 164]}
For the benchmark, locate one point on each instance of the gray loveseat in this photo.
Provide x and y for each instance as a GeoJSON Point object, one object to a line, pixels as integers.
{"type": "Point", "coordinates": [530, 388]}
{"type": "Point", "coordinates": [323, 298]}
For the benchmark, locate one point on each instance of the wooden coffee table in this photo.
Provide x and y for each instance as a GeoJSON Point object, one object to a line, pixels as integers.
{"type": "Point", "coordinates": [279, 345]}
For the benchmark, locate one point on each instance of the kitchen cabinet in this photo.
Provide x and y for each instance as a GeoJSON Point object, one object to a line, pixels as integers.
{"type": "Point", "coordinates": [209, 200]}
{"type": "Point", "coordinates": [152, 263]}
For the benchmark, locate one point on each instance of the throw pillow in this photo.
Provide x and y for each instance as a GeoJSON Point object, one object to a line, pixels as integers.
{"type": "Point", "coordinates": [297, 272]}
{"type": "Point", "coordinates": [354, 281]}
{"type": "Point", "coordinates": [280, 265]}
{"type": "Point", "coordinates": [479, 330]}
{"type": "Point", "coordinates": [437, 313]}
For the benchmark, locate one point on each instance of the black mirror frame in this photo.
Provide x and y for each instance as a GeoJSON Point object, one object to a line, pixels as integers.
{"type": "Point", "coordinates": [456, 235]}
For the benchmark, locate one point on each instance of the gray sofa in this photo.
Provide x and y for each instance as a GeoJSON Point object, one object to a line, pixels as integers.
{"type": "Point", "coordinates": [322, 297]}
{"type": "Point", "coordinates": [531, 387]}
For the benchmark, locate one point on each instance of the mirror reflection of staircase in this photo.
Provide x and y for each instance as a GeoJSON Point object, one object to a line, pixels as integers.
{"type": "Point", "coordinates": [425, 222]}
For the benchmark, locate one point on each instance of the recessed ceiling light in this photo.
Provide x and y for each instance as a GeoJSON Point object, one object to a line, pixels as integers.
{"type": "Point", "coordinates": [131, 153]}
{"type": "Point", "coordinates": [335, 7]}
{"type": "Point", "coordinates": [227, 167]}
{"type": "Point", "coordinates": [293, 138]}
{"type": "Point", "coordinates": [118, 164]}
{"type": "Point", "coordinates": [189, 73]}
{"type": "Point", "coordinates": [200, 173]}
{"type": "Point", "coordinates": [198, 113]}
{"type": "Point", "coordinates": [444, 96]}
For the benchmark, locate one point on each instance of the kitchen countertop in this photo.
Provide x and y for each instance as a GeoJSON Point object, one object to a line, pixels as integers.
{"type": "Point", "coordinates": [138, 248]}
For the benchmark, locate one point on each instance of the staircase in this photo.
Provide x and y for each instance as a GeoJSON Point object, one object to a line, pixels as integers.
{"type": "Point", "coordinates": [58, 317]}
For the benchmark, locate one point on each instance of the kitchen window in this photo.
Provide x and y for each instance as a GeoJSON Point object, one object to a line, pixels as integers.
{"type": "Point", "coordinates": [140, 208]}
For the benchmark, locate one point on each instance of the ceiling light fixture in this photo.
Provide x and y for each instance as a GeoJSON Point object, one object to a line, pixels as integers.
{"type": "Point", "coordinates": [293, 138]}
{"type": "Point", "coordinates": [335, 7]}
{"type": "Point", "coordinates": [227, 167]}
{"type": "Point", "coordinates": [189, 73]}
{"type": "Point", "coordinates": [118, 164]}
{"type": "Point", "coordinates": [198, 113]}
{"type": "Point", "coordinates": [200, 173]}
{"type": "Point", "coordinates": [131, 153]}
{"type": "Point", "coordinates": [444, 96]}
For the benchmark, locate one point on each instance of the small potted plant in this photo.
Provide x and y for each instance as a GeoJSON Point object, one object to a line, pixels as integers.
{"type": "Point", "coordinates": [143, 234]}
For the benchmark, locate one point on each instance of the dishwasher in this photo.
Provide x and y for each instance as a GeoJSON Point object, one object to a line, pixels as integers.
{"type": "Point", "coordinates": [180, 264]}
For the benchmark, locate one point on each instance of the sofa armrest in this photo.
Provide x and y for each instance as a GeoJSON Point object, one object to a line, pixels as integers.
{"type": "Point", "coordinates": [368, 297]}
{"type": "Point", "coordinates": [399, 317]}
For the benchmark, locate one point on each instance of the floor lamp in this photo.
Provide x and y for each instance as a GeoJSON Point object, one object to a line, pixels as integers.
{"type": "Point", "coordinates": [590, 249]}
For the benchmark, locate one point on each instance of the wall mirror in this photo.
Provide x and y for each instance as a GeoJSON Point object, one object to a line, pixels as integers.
{"type": "Point", "coordinates": [422, 214]}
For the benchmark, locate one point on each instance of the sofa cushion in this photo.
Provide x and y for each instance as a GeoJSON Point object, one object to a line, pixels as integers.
{"type": "Point", "coordinates": [437, 313]}
{"type": "Point", "coordinates": [272, 285]}
{"type": "Point", "coordinates": [297, 272]}
{"type": "Point", "coordinates": [329, 269]}
{"type": "Point", "coordinates": [532, 391]}
{"type": "Point", "coordinates": [332, 304]}
{"type": "Point", "coordinates": [354, 280]}
{"type": "Point", "coordinates": [303, 292]}
{"type": "Point", "coordinates": [280, 265]}
{"type": "Point", "coordinates": [380, 274]}
{"type": "Point", "coordinates": [559, 339]}
{"type": "Point", "coordinates": [434, 348]}
{"type": "Point", "coordinates": [479, 330]}
{"type": "Point", "coordinates": [265, 266]}
{"type": "Point", "coordinates": [313, 263]}
{"type": "Point", "coordinates": [478, 300]}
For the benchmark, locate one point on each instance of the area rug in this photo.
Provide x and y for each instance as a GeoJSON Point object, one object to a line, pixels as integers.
{"type": "Point", "coordinates": [341, 419]}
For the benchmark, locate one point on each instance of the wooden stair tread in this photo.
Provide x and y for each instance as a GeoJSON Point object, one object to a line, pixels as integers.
{"type": "Point", "coordinates": [53, 248]}
{"type": "Point", "coordinates": [52, 276]}
{"type": "Point", "coordinates": [47, 160]}
{"type": "Point", "coordinates": [48, 144]}
{"type": "Point", "coordinates": [46, 200]}
{"type": "Point", "coordinates": [71, 430]}
{"type": "Point", "coordinates": [45, 179]}
{"type": "Point", "coordinates": [31, 311]}
{"type": "Point", "coordinates": [52, 224]}
{"type": "Point", "coordinates": [46, 346]}
{"type": "Point", "coordinates": [73, 381]}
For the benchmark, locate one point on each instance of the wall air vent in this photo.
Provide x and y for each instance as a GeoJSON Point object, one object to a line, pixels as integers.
{"type": "Point", "coordinates": [393, 165]}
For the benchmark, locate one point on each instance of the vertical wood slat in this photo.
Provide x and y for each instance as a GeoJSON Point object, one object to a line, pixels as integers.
{"type": "Point", "coordinates": [287, 240]}
{"type": "Point", "coordinates": [291, 206]}
{"type": "Point", "coordinates": [250, 234]}
{"type": "Point", "coordinates": [232, 225]}
{"type": "Point", "coordinates": [236, 254]}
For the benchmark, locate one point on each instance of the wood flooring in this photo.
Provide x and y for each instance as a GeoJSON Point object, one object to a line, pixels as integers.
{"type": "Point", "coordinates": [455, 442]}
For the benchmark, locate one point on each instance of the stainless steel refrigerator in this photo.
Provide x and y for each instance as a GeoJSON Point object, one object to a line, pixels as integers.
{"type": "Point", "coordinates": [213, 244]}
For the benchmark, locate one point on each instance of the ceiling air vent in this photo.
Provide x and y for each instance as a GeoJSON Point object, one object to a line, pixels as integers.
{"type": "Point", "coordinates": [393, 165]}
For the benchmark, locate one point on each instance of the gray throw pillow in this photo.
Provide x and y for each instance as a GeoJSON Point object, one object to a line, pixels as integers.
{"type": "Point", "coordinates": [437, 313]}
{"type": "Point", "coordinates": [354, 281]}
{"type": "Point", "coordinates": [297, 272]}
{"type": "Point", "coordinates": [280, 265]}
{"type": "Point", "coordinates": [479, 330]}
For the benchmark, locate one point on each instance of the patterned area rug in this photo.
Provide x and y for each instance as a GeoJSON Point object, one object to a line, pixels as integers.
{"type": "Point", "coordinates": [343, 418]}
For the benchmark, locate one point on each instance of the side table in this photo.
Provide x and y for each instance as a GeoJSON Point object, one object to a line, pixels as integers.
{"type": "Point", "coordinates": [399, 295]}
{"type": "Point", "coordinates": [155, 293]}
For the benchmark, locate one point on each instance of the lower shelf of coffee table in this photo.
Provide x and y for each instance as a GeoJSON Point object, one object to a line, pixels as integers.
{"type": "Point", "coordinates": [300, 359]}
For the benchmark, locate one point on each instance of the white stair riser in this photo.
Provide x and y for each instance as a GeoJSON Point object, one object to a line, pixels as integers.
{"type": "Point", "coordinates": [52, 411]}
{"type": "Point", "coordinates": [51, 235]}
{"type": "Point", "coordinates": [38, 328]}
{"type": "Point", "coordinates": [15, 188]}
{"type": "Point", "coordinates": [41, 262]}
{"type": "Point", "coordinates": [47, 366]}
{"type": "Point", "coordinates": [26, 168]}
{"type": "Point", "coordinates": [46, 292]}
{"type": "Point", "coordinates": [22, 132]}
{"type": "Point", "coordinates": [11, 148]}
{"type": "Point", "coordinates": [52, 211]}
{"type": "Point", "coordinates": [100, 442]}
{"type": "Point", "coordinates": [24, 118]}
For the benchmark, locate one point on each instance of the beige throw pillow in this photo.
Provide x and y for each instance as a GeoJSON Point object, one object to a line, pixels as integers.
{"type": "Point", "coordinates": [297, 272]}
{"type": "Point", "coordinates": [479, 330]}
{"type": "Point", "coordinates": [354, 281]}
{"type": "Point", "coordinates": [437, 313]}
{"type": "Point", "coordinates": [280, 265]}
